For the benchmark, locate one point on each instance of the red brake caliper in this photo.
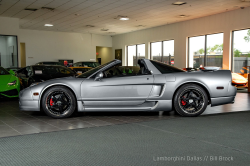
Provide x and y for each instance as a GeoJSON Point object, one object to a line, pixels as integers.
{"type": "Point", "coordinates": [51, 102]}
{"type": "Point", "coordinates": [183, 102]}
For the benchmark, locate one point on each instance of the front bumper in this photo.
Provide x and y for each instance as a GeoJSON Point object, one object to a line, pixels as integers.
{"type": "Point", "coordinates": [32, 105]}
{"type": "Point", "coordinates": [26, 102]}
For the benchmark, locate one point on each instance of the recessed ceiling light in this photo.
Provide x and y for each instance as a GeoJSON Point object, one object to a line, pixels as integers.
{"type": "Point", "coordinates": [179, 3]}
{"type": "Point", "coordinates": [182, 16]}
{"type": "Point", "coordinates": [123, 18]}
{"type": "Point", "coordinates": [49, 25]}
{"type": "Point", "coordinates": [103, 29]}
{"type": "Point", "coordinates": [140, 26]}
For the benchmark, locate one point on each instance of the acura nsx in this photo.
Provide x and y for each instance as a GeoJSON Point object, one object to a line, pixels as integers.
{"type": "Point", "coordinates": [154, 87]}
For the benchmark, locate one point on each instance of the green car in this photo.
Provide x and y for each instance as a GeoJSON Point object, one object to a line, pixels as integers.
{"type": "Point", "coordinates": [9, 84]}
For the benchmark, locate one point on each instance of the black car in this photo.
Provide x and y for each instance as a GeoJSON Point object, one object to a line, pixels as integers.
{"type": "Point", "coordinates": [40, 73]}
{"type": "Point", "coordinates": [86, 64]}
{"type": "Point", "coordinates": [48, 63]}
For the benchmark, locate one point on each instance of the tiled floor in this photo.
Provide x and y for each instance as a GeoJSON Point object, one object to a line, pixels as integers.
{"type": "Point", "coordinates": [14, 122]}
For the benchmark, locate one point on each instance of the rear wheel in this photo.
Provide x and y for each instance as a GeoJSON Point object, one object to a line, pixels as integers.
{"type": "Point", "coordinates": [58, 102]}
{"type": "Point", "coordinates": [190, 100]}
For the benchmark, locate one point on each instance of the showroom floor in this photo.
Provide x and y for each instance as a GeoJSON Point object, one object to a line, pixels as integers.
{"type": "Point", "coordinates": [221, 139]}
{"type": "Point", "coordinates": [14, 122]}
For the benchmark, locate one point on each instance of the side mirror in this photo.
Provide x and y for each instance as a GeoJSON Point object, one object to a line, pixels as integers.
{"type": "Point", "coordinates": [99, 76]}
{"type": "Point", "coordinates": [12, 72]}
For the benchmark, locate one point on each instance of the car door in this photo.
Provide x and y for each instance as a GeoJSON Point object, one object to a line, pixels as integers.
{"type": "Point", "coordinates": [131, 90]}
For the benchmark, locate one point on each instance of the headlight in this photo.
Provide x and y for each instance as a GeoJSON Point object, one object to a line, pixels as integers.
{"type": "Point", "coordinates": [36, 83]}
{"type": "Point", "coordinates": [12, 83]}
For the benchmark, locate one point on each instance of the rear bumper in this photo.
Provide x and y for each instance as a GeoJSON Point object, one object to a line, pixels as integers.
{"type": "Point", "coordinates": [29, 105]}
{"type": "Point", "coordinates": [222, 100]}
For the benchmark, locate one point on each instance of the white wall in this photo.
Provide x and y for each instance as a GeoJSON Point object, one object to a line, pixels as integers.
{"type": "Point", "coordinates": [9, 26]}
{"type": "Point", "coordinates": [105, 53]}
{"type": "Point", "coordinates": [224, 22]}
{"type": "Point", "coordinates": [51, 46]}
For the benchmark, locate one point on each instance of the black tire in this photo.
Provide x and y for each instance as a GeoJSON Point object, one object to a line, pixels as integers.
{"type": "Point", "coordinates": [58, 102]}
{"type": "Point", "coordinates": [190, 100]}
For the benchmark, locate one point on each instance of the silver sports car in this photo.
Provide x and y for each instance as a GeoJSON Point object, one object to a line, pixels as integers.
{"type": "Point", "coordinates": [151, 86]}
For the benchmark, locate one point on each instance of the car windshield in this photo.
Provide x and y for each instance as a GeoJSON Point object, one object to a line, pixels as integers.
{"type": "Point", "coordinates": [164, 68]}
{"type": "Point", "coordinates": [90, 64]}
{"type": "Point", "coordinates": [3, 71]}
{"type": "Point", "coordinates": [92, 71]}
{"type": "Point", "coordinates": [81, 70]}
{"type": "Point", "coordinates": [49, 70]}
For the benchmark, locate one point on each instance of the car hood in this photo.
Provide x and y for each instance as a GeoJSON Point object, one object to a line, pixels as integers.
{"type": "Point", "coordinates": [4, 79]}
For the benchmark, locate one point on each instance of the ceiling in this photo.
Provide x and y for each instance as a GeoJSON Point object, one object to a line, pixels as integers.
{"type": "Point", "coordinates": [74, 15]}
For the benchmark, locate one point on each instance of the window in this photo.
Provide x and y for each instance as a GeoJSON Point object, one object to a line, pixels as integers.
{"type": "Point", "coordinates": [168, 52]}
{"type": "Point", "coordinates": [241, 51]}
{"type": "Point", "coordinates": [8, 51]}
{"type": "Point", "coordinates": [205, 50]}
{"type": "Point", "coordinates": [163, 51]}
{"type": "Point", "coordinates": [164, 68]}
{"type": "Point", "coordinates": [156, 51]}
{"type": "Point", "coordinates": [134, 53]}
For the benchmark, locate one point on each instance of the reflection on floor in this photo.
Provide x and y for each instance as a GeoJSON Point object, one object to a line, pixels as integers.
{"type": "Point", "coordinates": [14, 122]}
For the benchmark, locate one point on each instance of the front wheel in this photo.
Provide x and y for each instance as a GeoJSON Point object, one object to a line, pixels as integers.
{"type": "Point", "coordinates": [58, 102]}
{"type": "Point", "coordinates": [190, 100]}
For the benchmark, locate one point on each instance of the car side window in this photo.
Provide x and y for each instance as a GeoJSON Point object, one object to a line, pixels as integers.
{"type": "Point", "coordinates": [65, 71]}
{"type": "Point", "coordinates": [122, 71]}
{"type": "Point", "coordinates": [112, 72]}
